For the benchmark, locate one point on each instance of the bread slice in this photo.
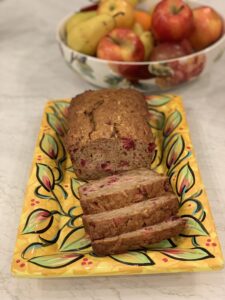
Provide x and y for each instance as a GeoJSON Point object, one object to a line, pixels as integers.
{"type": "Point", "coordinates": [140, 238]}
{"type": "Point", "coordinates": [121, 190]}
{"type": "Point", "coordinates": [130, 218]}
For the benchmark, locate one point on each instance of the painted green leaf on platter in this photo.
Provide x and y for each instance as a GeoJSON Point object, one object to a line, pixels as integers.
{"type": "Point", "coordinates": [38, 221]}
{"type": "Point", "coordinates": [175, 151]}
{"type": "Point", "coordinates": [135, 258]}
{"type": "Point", "coordinates": [193, 227]}
{"type": "Point", "coordinates": [45, 176]}
{"type": "Point", "coordinates": [56, 124]}
{"type": "Point", "coordinates": [185, 179]}
{"type": "Point", "coordinates": [163, 244]}
{"type": "Point", "coordinates": [31, 249]}
{"type": "Point", "coordinates": [62, 191]}
{"type": "Point", "coordinates": [76, 240]}
{"type": "Point", "coordinates": [172, 123]}
{"type": "Point", "coordinates": [197, 253]}
{"type": "Point", "coordinates": [156, 119]}
{"type": "Point", "coordinates": [55, 261]}
{"type": "Point", "coordinates": [62, 107]}
{"type": "Point", "coordinates": [49, 146]}
{"type": "Point", "coordinates": [158, 100]}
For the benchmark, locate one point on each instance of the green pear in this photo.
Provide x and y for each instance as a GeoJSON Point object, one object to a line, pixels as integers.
{"type": "Point", "coordinates": [77, 18]}
{"type": "Point", "coordinates": [138, 29]}
{"type": "Point", "coordinates": [85, 36]}
{"type": "Point", "coordinates": [148, 41]}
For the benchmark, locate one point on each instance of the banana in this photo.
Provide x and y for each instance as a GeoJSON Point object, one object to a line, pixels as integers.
{"type": "Point", "coordinates": [77, 18]}
{"type": "Point", "coordinates": [147, 39]}
{"type": "Point", "coordinates": [85, 36]}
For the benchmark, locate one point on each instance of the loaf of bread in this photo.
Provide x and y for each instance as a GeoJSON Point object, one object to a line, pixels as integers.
{"type": "Point", "coordinates": [108, 133]}
{"type": "Point", "coordinates": [116, 191]}
{"type": "Point", "coordinates": [126, 205]}
{"type": "Point", "coordinates": [130, 218]}
{"type": "Point", "coordinates": [140, 238]}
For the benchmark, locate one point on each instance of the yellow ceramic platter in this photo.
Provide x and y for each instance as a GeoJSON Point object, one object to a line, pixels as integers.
{"type": "Point", "coordinates": [51, 241]}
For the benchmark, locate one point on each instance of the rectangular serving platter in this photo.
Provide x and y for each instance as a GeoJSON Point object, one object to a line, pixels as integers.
{"type": "Point", "coordinates": [51, 241]}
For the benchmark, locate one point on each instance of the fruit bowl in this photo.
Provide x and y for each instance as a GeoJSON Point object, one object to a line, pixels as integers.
{"type": "Point", "coordinates": [149, 76]}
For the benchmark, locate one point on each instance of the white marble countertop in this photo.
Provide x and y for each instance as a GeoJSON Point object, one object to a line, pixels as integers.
{"type": "Point", "coordinates": [32, 71]}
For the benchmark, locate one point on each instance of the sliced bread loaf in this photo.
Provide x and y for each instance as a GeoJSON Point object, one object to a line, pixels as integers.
{"type": "Point", "coordinates": [130, 218]}
{"type": "Point", "coordinates": [109, 132]}
{"type": "Point", "coordinates": [140, 238]}
{"type": "Point", "coordinates": [121, 190]}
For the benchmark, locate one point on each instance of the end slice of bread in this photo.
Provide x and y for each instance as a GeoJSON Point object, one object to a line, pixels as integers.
{"type": "Point", "coordinates": [140, 238]}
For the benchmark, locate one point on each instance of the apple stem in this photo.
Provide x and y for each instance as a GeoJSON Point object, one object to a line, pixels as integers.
{"type": "Point", "coordinates": [176, 10]}
{"type": "Point", "coordinates": [115, 41]}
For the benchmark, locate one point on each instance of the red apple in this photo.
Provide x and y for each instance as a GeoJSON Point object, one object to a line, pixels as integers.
{"type": "Point", "coordinates": [166, 51]}
{"type": "Point", "coordinates": [121, 44]}
{"type": "Point", "coordinates": [208, 27]}
{"type": "Point", "coordinates": [172, 20]}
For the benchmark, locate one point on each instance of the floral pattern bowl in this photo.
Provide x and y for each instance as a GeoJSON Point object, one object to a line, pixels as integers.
{"type": "Point", "coordinates": [145, 76]}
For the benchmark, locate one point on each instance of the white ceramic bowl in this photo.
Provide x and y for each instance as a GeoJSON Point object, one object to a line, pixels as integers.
{"type": "Point", "coordinates": [145, 76]}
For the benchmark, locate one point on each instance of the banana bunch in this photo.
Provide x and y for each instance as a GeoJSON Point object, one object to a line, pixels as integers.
{"type": "Point", "coordinates": [85, 30]}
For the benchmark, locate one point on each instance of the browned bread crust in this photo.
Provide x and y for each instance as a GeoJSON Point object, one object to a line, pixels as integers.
{"type": "Point", "coordinates": [140, 238]}
{"type": "Point", "coordinates": [121, 190]}
{"type": "Point", "coordinates": [130, 218]}
{"type": "Point", "coordinates": [108, 133]}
